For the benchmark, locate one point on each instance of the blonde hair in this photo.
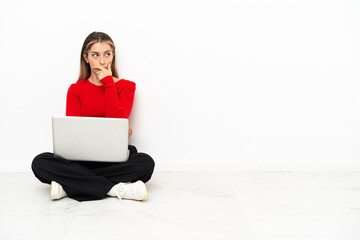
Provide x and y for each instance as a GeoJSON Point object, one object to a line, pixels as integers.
{"type": "Point", "coordinates": [95, 37]}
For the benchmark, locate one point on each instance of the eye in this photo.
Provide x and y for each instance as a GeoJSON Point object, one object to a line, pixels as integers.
{"type": "Point", "coordinates": [95, 55]}
{"type": "Point", "coordinates": [108, 54]}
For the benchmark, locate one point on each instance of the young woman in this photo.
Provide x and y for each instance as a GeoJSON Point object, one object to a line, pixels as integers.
{"type": "Point", "coordinates": [97, 93]}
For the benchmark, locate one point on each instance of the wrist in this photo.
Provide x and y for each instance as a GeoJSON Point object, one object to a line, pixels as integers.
{"type": "Point", "coordinates": [107, 81]}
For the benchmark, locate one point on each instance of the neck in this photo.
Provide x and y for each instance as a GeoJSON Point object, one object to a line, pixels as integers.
{"type": "Point", "coordinates": [93, 79]}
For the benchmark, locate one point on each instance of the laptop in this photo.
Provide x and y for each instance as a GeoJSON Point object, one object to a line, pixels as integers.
{"type": "Point", "coordinates": [91, 138]}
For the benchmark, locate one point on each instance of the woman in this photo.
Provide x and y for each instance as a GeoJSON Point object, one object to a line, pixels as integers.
{"type": "Point", "coordinates": [97, 93]}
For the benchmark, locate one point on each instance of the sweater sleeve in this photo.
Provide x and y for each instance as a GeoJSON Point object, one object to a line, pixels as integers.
{"type": "Point", "coordinates": [73, 102]}
{"type": "Point", "coordinates": [118, 104]}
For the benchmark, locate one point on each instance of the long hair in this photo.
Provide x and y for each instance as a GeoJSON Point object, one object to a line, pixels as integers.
{"type": "Point", "coordinates": [95, 37]}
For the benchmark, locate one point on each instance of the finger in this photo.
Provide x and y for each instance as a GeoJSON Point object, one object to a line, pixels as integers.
{"type": "Point", "coordinates": [97, 72]}
{"type": "Point", "coordinates": [97, 68]}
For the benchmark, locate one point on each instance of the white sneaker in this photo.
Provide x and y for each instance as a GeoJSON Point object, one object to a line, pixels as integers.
{"type": "Point", "coordinates": [134, 191]}
{"type": "Point", "coordinates": [56, 191]}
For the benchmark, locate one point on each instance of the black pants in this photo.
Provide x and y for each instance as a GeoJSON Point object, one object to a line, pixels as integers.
{"type": "Point", "coordinates": [84, 181]}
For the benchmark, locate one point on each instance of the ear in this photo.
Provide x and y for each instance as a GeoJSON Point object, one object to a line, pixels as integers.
{"type": "Point", "coordinates": [86, 60]}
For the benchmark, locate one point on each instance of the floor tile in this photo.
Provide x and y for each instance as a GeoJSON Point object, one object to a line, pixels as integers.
{"type": "Point", "coordinates": [298, 197]}
{"type": "Point", "coordinates": [192, 205]}
{"type": "Point", "coordinates": [179, 206]}
{"type": "Point", "coordinates": [286, 180]}
{"type": "Point", "coordinates": [304, 223]}
{"type": "Point", "coordinates": [139, 221]}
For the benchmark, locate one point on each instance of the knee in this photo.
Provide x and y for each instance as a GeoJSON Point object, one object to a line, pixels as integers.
{"type": "Point", "coordinates": [147, 162]}
{"type": "Point", "coordinates": [38, 161]}
{"type": "Point", "coordinates": [132, 149]}
{"type": "Point", "coordinates": [148, 166]}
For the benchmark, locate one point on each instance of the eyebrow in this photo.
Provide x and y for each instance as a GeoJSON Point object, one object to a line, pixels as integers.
{"type": "Point", "coordinates": [97, 52]}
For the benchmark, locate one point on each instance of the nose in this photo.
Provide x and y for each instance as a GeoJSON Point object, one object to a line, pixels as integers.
{"type": "Point", "coordinates": [102, 61]}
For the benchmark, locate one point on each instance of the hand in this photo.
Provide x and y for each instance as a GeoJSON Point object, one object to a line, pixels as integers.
{"type": "Point", "coordinates": [102, 72]}
{"type": "Point", "coordinates": [130, 130]}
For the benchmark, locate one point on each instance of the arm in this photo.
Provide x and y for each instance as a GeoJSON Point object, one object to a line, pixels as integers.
{"type": "Point", "coordinates": [118, 105]}
{"type": "Point", "coordinates": [73, 102]}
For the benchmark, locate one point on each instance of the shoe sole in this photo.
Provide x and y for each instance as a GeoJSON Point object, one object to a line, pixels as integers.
{"type": "Point", "coordinates": [144, 190]}
{"type": "Point", "coordinates": [53, 190]}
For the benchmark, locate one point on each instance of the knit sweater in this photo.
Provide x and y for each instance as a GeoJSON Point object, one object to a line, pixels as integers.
{"type": "Point", "coordinates": [111, 100]}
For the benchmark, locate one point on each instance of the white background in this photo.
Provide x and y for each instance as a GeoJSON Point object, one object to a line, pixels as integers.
{"type": "Point", "coordinates": [221, 85]}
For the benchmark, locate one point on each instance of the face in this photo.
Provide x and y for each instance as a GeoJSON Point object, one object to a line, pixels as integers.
{"type": "Point", "coordinates": [100, 54]}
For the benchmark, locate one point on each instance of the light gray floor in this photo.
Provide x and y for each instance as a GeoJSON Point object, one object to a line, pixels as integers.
{"type": "Point", "coordinates": [242, 205]}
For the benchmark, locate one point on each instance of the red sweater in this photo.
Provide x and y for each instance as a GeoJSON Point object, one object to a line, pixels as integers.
{"type": "Point", "coordinates": [114, 100]}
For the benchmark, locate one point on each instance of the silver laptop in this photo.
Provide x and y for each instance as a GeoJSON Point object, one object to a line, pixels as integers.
{"type": "Point", "coordinates": [91, 138]}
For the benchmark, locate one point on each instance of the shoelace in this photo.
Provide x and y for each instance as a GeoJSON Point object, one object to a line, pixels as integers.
{"type": "Point", "coordinates": [124, 191]}
{"type": "Point", "coordinates": [119, 190]}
